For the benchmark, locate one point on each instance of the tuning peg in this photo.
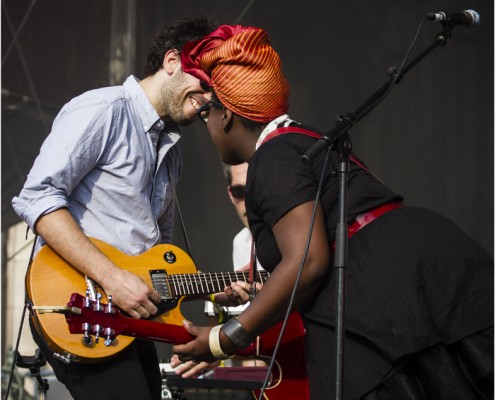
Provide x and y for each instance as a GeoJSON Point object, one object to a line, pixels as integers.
{"type": "Point", "coordinates": [87, 299]}
{"type": "Point", "coordinates": [87, 340]}
{"type": "Point", "coordinates": [109, 309]}
{"type": "Point", "coordinates": [98, 306]}
{"type": "Point", "coordinates": [110, 336]}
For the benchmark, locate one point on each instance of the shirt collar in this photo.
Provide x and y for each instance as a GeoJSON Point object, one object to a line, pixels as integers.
{"type": "Point", "coordinates": [278, 122]}
{"type": "Point", "coordinates": [147, 113]}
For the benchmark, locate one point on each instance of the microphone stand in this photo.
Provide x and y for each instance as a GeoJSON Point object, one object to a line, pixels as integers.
{"type": "Point", "coordinates": [339, 137]}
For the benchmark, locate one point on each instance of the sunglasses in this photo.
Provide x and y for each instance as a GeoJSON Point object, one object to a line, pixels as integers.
{"type": "Point", "coordinates": [238, 192]}
{"type": "Point", "coordinates": [203, 112]}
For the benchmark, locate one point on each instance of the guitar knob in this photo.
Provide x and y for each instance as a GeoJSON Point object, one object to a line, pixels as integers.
{"type": "Point", "coordinates": [110, 336]}
{"type": "Point", "coordinates": [169, 257]}
{"type": "Point", "coordinates": [87, 340]}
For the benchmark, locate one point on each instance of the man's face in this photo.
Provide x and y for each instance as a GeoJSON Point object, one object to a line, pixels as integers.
{"type": "Point", "coordinates": [181, 96]}
{"type": "Point", "coordinates": [238, 185]}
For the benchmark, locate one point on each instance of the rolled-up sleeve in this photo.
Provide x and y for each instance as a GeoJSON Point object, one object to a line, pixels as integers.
{"type": "Point", "coordinates": [71, 150]}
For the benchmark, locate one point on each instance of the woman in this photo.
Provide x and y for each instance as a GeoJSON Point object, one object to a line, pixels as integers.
{"type": "Point", "coordinates": [419, 300]}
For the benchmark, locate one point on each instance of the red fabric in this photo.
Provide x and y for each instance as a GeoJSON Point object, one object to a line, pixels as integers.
{"type": "Point", "coordinates": [364, 219]}
{"type": "Point", "coordinates": [295, 129]}
{"type": "Point", "coordinates": [243, 69]}
{"type": "Point", "coordinates": [193, 51]}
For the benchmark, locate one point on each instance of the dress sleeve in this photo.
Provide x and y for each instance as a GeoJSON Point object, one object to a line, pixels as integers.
{"type": "Point", "coordinates": [282, 181]}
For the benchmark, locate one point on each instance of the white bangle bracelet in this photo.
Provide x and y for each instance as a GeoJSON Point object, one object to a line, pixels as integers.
{"type": "Point", "coordinates": [214, 342]}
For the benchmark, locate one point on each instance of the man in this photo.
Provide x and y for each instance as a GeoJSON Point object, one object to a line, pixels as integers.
{"type": "Point", "coordinates": [107, 170]}
{"type": "Point", "coordinates": [241, 258]}
{"type": "Point", "coordinates": [241, 246]}
{"type": "Point", "coordinates": [236, 177]}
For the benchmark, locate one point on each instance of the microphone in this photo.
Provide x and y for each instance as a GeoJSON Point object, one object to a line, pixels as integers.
{"type": "Point", "coordinates": [466, 18]}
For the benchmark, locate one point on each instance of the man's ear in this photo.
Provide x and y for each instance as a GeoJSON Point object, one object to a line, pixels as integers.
{"type": "Point", "coordinates": [171, 61]}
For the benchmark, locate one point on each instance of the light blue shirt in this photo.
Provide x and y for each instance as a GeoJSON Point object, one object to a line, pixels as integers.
{"type": "Point", "coordinates": [100, 161]}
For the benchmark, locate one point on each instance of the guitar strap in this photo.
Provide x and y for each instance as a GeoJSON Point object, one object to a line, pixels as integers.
{"type": "Point", "coordinates": [252, 270]}
{"type": "Point", "coordinates": [362, 219]}
{"type": "Point", "coordinates": [307, 132]}
{"type": "Point", "coordinates": [177, 206]}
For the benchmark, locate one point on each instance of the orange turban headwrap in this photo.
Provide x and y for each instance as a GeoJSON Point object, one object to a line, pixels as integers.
{"type": "Point", "coordinates": [243, 69]}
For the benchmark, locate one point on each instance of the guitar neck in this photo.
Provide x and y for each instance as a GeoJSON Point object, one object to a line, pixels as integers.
{"type": "Point", "coordinates": [205, 283]}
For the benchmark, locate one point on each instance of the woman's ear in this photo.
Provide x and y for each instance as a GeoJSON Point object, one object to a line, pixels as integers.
{"type": "Point", "coordinates": [171, 61]}
{"type": "Point", "coordinates": [227, 117]}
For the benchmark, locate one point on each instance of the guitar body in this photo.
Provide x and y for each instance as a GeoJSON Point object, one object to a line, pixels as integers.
{"type": "Point", "coordinates": [289, 377]}
{"type": "Point", "coordinates": [51, 281]}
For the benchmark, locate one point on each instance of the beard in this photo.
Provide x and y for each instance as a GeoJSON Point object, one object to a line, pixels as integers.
{"type": "Point", "coordinates": [172, 100]}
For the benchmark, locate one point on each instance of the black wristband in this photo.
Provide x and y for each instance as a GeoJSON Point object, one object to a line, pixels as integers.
{"type": "Point", "coordinates": [237, 334]}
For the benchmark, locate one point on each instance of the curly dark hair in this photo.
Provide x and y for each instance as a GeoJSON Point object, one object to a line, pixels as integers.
{"type": "Point", "coordinates": [175, 37]}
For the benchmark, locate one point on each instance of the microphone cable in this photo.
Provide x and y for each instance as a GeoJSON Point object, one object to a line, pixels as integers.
{"type": "Point", "coordinates": [298, 277]}
{"type": "Point", "coordinates": [397, 74]}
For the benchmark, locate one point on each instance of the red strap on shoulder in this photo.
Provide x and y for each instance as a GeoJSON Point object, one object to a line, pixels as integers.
{"type": "Point", "coordinates": [295, 129]}
{"type": "Point", "coordinates": [290, 129]}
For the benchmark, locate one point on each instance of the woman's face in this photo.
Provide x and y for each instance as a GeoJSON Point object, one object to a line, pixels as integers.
{"type": "Point", "coordinates": [223, 135]}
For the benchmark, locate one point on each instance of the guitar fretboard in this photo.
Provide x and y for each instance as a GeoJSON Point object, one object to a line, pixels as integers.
{"type": "Point", "coordinates": [170, 286]}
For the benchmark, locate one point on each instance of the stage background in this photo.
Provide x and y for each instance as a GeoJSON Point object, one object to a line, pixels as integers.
{"type": "Point", "coordinates": [431, 139]}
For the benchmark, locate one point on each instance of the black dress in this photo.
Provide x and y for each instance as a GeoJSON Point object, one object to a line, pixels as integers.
{"type": "Point", "coordinates": [419, 291]}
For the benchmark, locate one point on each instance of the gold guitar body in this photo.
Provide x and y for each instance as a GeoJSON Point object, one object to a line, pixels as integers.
{"type": "Point", "coordinates": [50, 282]}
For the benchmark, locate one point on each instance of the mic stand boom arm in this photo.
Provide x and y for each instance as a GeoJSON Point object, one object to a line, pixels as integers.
{"type": "Point", "coordinates": [339, 137]}
{"type": "Point", "coordinates": [344, 123]}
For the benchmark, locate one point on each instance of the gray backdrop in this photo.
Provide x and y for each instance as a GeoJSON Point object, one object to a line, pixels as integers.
{"type": "Point", "coordinates": [430, 140]}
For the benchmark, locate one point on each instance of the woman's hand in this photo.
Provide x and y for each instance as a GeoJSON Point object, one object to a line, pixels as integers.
{"type": "Point", "coordinates": [236, 294]}
{"type": "Point", "coordinates": [190, 368]}
{"type": "Point", "coordinates": [198, 349]}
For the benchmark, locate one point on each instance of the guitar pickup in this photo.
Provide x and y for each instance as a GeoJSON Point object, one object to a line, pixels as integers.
{"type": "Point", "coordinates": [159, 280]}
{"type": "Point", "coordinates": [160, 284]}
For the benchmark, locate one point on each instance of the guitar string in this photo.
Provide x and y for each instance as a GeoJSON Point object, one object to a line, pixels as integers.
{"type": "Point", "coordinates": [185, 284]}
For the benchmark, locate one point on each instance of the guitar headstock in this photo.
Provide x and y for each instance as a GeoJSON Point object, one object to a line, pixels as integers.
{"type": "Point", "coordinates": [95, 320]}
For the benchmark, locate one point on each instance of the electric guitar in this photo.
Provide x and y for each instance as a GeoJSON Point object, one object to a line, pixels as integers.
{"type": "Point", "coordinates": [81, 324]}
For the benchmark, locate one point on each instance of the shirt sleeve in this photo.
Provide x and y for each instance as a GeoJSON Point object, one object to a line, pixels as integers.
{"type": "Point", "coordinates": [74, 147]}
